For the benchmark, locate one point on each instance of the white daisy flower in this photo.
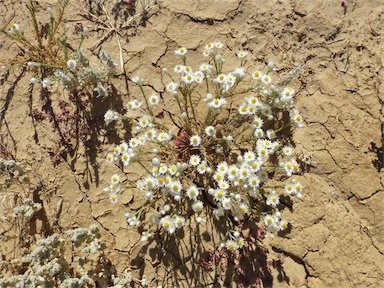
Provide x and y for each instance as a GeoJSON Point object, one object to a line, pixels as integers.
{"type": "Point", "coordinates": [144, 121]}
{"type": "Point", "coordinates": [232, 172]}
{"type": "Point", "coordinates": [153, 100]}
{"type": "Point", "coordinates": [254, 181]}
{"type": "Point", "coordinates": [199, 79]}
{"type": "Point", "coordinates": [150, 183]}
{"type": "Point", "coordinates": [206, 52]}
{"type": "Point", "coordinates": [176, 187]}
{"type": "Point", "coordinates": [188, 70]}
{"type": "Point", "coordinates": [110, 158]}
{"type": "Point", "coordinates": [181, 51]}
{"type": "Point", "coordinates": [267, 143]}
{"type": "Point", "coordinates": [168, 224]}
{"type": "Point", "coordinates": [263, 175]}
{"type": "Point", "coordinates": [210, 131]}
{"type": "Point", "coordinates": [223, 185]}
{"type": "Point", "coordinates": [287, 94]}
{"type": "Point", "coordinates": [171, 87]}
{"type": "Point", "coordinates": [125, 158]}
{"type": "Point", "coordinates": [253, 101]}
{"type": "Point", "coordinates": [150, 134]}
{"type": "Point", "coordinates": [289, 189]}
{"type": "Point", "coordinates": [197, 206]}
{"type": "Point", "coordinates": [164, 137]}
{"type": "Point", "coordinates": [124, 147]}
{"type": "Point", "coordinates": [255, 166]}
{"type": "Point", "coordinates": [194, 160]}
{"type": "Point", "coordinates": [192, 192]}
{"type": "Point", "coordinates": [163, 169]}
{"type": "Point", "coordinates": [188, 79]}
{"type": "Point", "coordinates": [113, 198]}
{"type": "Point", "coordinates": [179, 68]}
{"type": "Point", "coordinates": [231, 245]}
{"type": "Point", "coordinates": [134, 142]}
{"type": "Point", "coordinates": [272, 199]}
{"type": "Point", "coordinates": [259, 133]}
{"type": "Point", "coordinates": [227, 203]}
{"type": "Point", "coordinates": [205, 67]}
{"type": "Point", "coordinates": [283, 224]}
{"type": "Point", "coordinates": [115, 179]}
{"type": "Point", "coordinates": [271, 134]}
{"type": "Point", "coordinates": [221, 78]}
{"type": "Point", "coordinates": [287, 150]}
{"type": "Point", "coordinates": [209, 46]}
{"type": "Point", "coordinates": [15, 27]}
{"type": "Point", "coordinates": [269, 220]}
{"type": "Point", "coordinates": [262, 152]}
{"type": "Point", "coordinates": [218, 176]}
{"type": "Point", "coordinates": [257, 75]}
{"type": "Point", "coordinates": [116, 150]}
{"type": "Point", "coordinates": [222, 167]}
{"type": "Point", "coordinates": [257, 122]}
{"type": "Point", "coordinates": [242, 208]}
{"type": "Point", "coordinates": [243, 109]}
{"type": "Point", "coordinates": [249, 156]}
{"type": "Point", "coordinates": [219, 194]}
{"type": "Point", "coordinates": [240, 242]}
{"type": "Point", "coordinates": [218, 45]}
{"type": "Point", "coordinates": [298, 188]}
{"type": "Point", "coordinates": [195, 140]}
{"type": "Point", "coordinates": [172, 169]}
{"type": "Point", "coordinates": [266, 79]}
{"type": "Point", "coordinates": [179, 221]}
{"type": "Point", "coordinates": [297, 119]}
{"type": "Point", "coordinates": [242, 54]}
{"type": "Point", "coordinates": [288, 167]}
{"type": "Point", "coordinates": [202, 168]}
{"type": "Point", "coordinates": [114, 188]}
{"type": "Point", "coordinates": [244, 171]}
{"type": "Point", "coordinates": [217, 103]}
{"type": "Point", "coordinates": [231, 80]}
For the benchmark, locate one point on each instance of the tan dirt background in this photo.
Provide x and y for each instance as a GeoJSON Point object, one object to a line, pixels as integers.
{"type": "Point", "coordinates": [337, 236]}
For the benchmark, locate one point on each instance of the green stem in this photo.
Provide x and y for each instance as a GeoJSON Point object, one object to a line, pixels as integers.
{"type": "Point", "coordinates": [146, 101]}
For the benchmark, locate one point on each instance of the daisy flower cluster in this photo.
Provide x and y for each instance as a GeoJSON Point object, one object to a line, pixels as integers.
{"type": "Point", "coordinates": [218, 156]}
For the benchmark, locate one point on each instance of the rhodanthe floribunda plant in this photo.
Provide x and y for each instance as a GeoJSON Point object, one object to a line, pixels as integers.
{"type": "Point", "coordinates": [215, 157]}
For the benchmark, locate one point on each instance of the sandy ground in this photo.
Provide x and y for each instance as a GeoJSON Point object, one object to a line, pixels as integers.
{"type": "Point", "coordinates": [337, 235]}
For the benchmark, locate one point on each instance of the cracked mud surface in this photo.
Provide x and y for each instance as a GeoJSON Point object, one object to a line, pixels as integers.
{"type": "Point", "coordinates": [337, 236]}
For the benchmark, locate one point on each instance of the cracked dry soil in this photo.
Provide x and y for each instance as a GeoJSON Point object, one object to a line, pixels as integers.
{"type": "Point", "coordinates": [337, 235]}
